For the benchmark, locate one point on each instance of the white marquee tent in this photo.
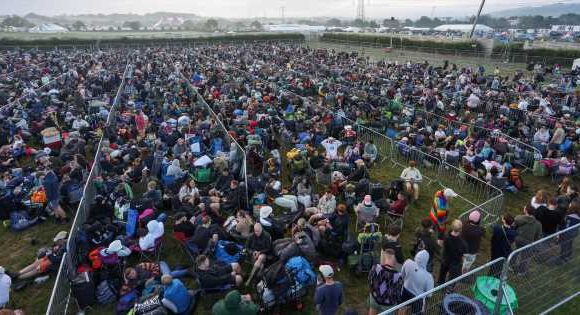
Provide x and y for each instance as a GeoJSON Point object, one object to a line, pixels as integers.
{"type": "Point", "coordinates": [465, 28]}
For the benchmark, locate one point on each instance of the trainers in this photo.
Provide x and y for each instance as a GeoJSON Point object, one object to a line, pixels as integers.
{"type": "Point", "coordinates": [42, 279]}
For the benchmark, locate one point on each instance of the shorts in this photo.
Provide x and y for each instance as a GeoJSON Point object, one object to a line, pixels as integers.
{"type": "Point", "coordinates": [376, 306]}
{"type": "Point", "coordinates": [44, 265]}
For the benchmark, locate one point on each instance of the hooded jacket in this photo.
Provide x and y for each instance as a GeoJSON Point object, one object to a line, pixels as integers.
{"type": "Point", "coordinates": [155, 230]}
{"type": "Point", "coordinates": [417, 280]}
{"type": "Point", "coordinates": [232, 305]}
{"type": "Point", "coordinates": [528, 228]}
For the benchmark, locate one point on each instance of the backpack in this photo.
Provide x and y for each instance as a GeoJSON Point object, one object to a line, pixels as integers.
{"type": "Point", "coordinates": [105, 293]}
{"type": "Point", "coordinates": [228, 252]}
{"type": "Point", "coordinates": [539, 169]}
{"type": "Point", "coordinates": [203, 175]}
{"type": "Point", "coordinates": [301, 269]}
{"type": "Point", "coordinates": [95, 258]}
{"type": "Point", "coordinates": [515, 178]}
{"type": "Point", "coordinates": [38, 196]}
{"type": "Point", "coordinates": [217, 145]}
{"type": "Point", "coordinates": [132, 218]}
{"type": "Point", "coordinates": [83, 289]}
{"type": "Point", "coordinates": [74, 192]}
{"type": "Point", "coordinates": [386, 285]}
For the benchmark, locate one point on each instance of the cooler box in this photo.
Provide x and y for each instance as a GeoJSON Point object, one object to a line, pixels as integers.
{"type": "Point", "coordinates": [51, 138]}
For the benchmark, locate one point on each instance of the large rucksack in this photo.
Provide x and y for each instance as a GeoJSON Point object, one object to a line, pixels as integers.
{"type": "Point", "coordinates": [302, 271]}
{"type": "Point", "coordinates": [386, 285]}
{"type": "Point", "coordinates": [539, 169]}
{"type": "Point", "coordinates": [516, 179]}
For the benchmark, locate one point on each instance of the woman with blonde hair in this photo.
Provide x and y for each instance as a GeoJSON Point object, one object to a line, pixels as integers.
{"type": "Point", "coordinates": [540, 199]}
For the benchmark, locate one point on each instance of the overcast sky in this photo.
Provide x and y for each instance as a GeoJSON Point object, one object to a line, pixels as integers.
{"type": "Point", "coordinates": [268, 8]}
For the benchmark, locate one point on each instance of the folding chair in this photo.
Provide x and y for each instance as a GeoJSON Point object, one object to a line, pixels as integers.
{"type": "Point", "coordinates": [182, 240]}
{"type": "Point", "coordinates": [397, 218]}
{"type": "Point", "coordinates": [152, 254]}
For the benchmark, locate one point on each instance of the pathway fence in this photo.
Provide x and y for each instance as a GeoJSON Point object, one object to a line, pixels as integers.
{"type": "Point", "coordinates": [61, 294]}
{"type": "Point", "coordinates": [533, 279]}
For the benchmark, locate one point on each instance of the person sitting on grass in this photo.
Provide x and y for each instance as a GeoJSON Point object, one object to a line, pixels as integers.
{"type": "Point", "coordinates": [47, 259]}
{"type": "Point", "coordinates": [214, 276]}
{"type": "Point", "coordinates": [235, 304]}
{"type": "Point", "coordinates": [259, 245]}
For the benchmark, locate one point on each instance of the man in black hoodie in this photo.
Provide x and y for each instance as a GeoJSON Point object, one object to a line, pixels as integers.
{"type": "Point", "coordinates": [426, 239]}
{"type": "Point", "coordinates": [550, 217]}
{"type": "Point", "coordinates": [454, 248]}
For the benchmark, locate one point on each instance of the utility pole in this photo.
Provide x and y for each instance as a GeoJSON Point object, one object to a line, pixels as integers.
{"type": "Point", "coordinates": [476, 18]}
{"type": "Point", "coordinates": [283, 20]}
{"type": "Point", "coordinates": [360, 11]}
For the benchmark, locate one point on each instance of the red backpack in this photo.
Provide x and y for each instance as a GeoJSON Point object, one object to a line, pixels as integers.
{"type": "Point", "coordinates": [515, 178]}
{"type": "Point", "coordinates": [95, 258]}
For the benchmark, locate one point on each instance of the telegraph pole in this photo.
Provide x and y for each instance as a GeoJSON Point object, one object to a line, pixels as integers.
{"type": "Point", "coordinates": [283, 19]}
{"type": "Point", "coordinates": [476, 18]}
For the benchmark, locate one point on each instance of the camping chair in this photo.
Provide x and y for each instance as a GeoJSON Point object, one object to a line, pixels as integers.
{"type": "Point", "coordinates": [152, 254]}
{"type": "Point", "coordinates": [397, 218]}
{"type": "Point", "coordinates": [182, 240]}
{"type": "Point", "coordinates": [203, 176]}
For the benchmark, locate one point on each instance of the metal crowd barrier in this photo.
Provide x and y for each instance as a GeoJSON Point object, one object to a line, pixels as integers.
{"type": "Point", "coordinates": [61, 294]}
{"type": "Point", "coordinates": [535, 278]}
{"type": "Point", "coordinates": [523, 154]}
{"type": "Point", "coordinates": [242, 161]}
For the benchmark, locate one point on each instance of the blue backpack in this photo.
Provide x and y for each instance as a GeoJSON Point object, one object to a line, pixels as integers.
{"type": "Point", "coordinates": [566, 146]}
{"type": "Point", "coordinates": [217, 145]}
{"type": "Point", "coordinates": [228, 252]}
{"type": "Point", "coordinates": [301, 269]}
{"type": "Point", "coordinates": [132, 221]}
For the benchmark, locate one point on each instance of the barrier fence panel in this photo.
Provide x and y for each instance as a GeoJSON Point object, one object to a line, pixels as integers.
{"type": "Point", "coordinates": [544, 273]}
{"type": "Point", "coordinates": [60, 297]}
{"type": "Point", "coordinates": [240, 158]}
{"type": "Point", "coordinates": [466, 294]}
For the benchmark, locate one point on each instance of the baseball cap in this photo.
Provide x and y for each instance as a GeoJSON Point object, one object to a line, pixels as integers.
{"type": "Point", "coordinates": [326, 271]}
{"type": "Point", "coordinates": [60, 236]}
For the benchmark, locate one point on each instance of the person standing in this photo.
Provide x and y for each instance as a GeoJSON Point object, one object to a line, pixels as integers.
{"type": "Point", "coordinates": [472, 233]}
{"type": "Point", "coordinates": [417, 280]}
{"type": "Point", "coordinates": [502, 238]}
{"type": "Point", "coordinates": [528, 230]}
{"type": "Point", "coordinates": [328, 296]}
{"type": "Point", "coordinates": [566, 239]}
{"type": "Point", "coordinates": [440, 210]}
{"type": "Point", "coordinates": [454, 248]}
{"type": "Point", "coordinates": [385, 283]}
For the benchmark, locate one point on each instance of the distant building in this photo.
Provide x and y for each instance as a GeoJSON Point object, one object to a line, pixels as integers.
{"type": "Point", "coordinates": [463, 28]}
{"type": "Point", "coordinates": [294, 28]}
{"type": "Point", "coordinates": [168, 23]}
{"type": "Point", "coordinates": [566, 28]}
{"type": "Point", "coordinates": [48, 28]}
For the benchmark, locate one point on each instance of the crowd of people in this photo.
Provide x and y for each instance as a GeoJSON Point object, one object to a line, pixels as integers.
{"type": "Point", "coordinates": [247, 157]}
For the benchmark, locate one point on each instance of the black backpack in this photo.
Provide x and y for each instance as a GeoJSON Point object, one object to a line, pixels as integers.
{"type": "Point", "coordinates": [386, 285]}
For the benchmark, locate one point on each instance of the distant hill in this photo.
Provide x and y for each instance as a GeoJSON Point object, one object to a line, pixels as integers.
{"type": "Point", "coordinates": [148, 19]}
{"type": "Point", "coordinates": [554, 10]}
